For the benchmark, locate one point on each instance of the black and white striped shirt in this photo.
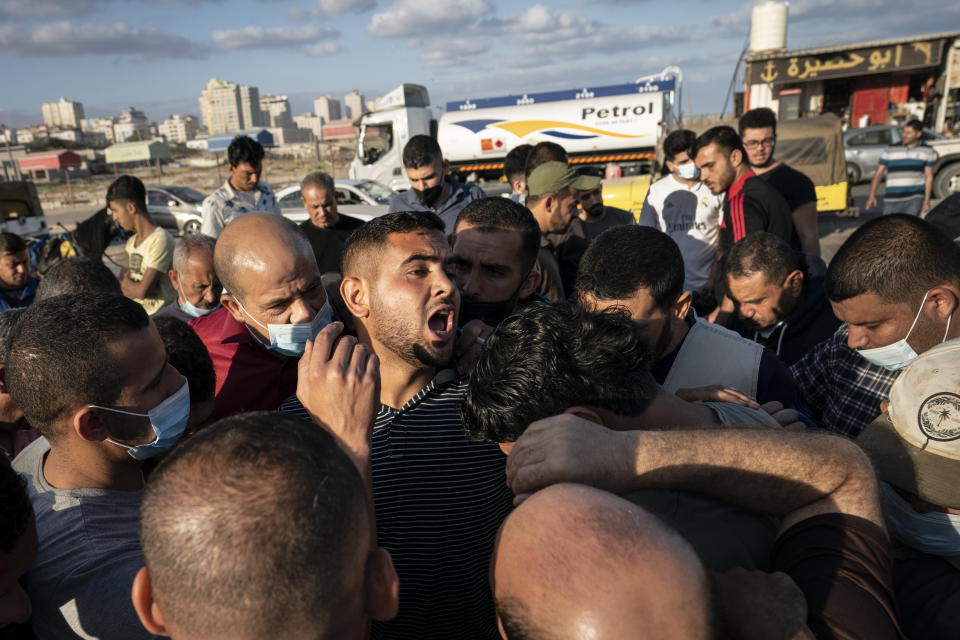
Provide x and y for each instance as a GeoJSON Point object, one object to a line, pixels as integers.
{"type": "Point", "coordinates": [439, 498]}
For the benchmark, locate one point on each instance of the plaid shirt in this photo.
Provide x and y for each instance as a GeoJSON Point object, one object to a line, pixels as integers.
{"type": "Point", "coordinates": [842, 390]}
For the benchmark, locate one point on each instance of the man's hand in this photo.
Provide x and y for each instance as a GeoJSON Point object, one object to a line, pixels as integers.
{"type": "Point", "coordinates": [926, 206]}
{"type": "Point", "coordinates": [567, 448]}
{"type": "Point", "coordinates": [338, 383]}
{"type": "Point", "coordinates": [871, 202]}
{"type": "Point", "coordinates": [762, 606]}
{"type": "Point", "coordinates": [788, 418]}
{"type": "Point", "coordinates": [717, 393]}
{"type": "Point", "coordinates": [470, 343]}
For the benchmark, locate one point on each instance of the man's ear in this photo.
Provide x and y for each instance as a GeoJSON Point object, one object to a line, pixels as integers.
{"type": "Point", "coordinates": [383, 586]}
{"type": "Point", "coordinates": [586, 413]}
{"type": "Point", "coordinates": [794, 282]}
{"type": "Point", "coordinates": [233, 307]}
{"type": "Point", "coordinates": [446, 167]}
{"type": "Point", "coordinates": [530, 284]}
{"type": "Point", "coordinates": [353, 290]}
{"type": "Point", "coordinates": [945, 302]}
{"type": "Point", "coordinates": [3, 378]}
{"type": "Point", "coordinates": [174, 279]}
{"type": "Point", "coordinates": [736, 157]}
{"type": "Point", "coordinates": [146, 607]}
{"type": "Point", "coordinates": [88, 425]}
{"type": "Point", "coordinates": [682, 306]}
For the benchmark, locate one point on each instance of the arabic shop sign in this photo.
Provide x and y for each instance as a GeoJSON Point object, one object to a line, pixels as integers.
{"type": "Point", "coordinates": [898, 57]}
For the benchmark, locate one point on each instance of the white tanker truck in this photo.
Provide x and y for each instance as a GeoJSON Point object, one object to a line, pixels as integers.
{"type": "Point", "coordinates": [599, 126]}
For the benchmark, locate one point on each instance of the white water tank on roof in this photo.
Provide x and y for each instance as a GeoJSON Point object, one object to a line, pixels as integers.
{"type": "Point", "coordinates": [768, 26]}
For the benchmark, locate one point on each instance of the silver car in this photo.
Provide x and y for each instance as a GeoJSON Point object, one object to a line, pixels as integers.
{"type": "Point", "coordinates": [362, 199]}
{"type": "Point", "coordinates": [864, 146]}
{"type": "Point", "coordinates": [176, 209]}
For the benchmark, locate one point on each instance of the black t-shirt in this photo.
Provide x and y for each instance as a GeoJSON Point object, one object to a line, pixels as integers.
{"type": "Point", "coordinates": [328, 242]}
{"type": "Point", "coordinates": [796, 188]}
{"type": "Point", "coordinates": [844, 566]}
{"type": "Point", "coordinates": [753, 205]}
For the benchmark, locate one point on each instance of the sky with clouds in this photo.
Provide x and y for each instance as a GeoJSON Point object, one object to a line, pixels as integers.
{"type": "Point", "coordinates": [157, 55]}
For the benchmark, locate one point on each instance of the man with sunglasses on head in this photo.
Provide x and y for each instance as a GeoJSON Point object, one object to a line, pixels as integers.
{"type": "Point", "coordinates": [758, 130]}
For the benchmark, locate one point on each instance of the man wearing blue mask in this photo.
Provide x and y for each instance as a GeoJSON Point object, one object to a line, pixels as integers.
{"type": "Point", "coordinates": [90, 372]}
{"type": "Point", "coordinates": [193, 278]}
{"type": "Point", "coordinates": [273, 303]}
{"type": "Point", "coordinates": [916, 452]}
{"type": "Point", "coordinates": [895, 283]}
{"type": "Point", "coordinates": [684, 208]}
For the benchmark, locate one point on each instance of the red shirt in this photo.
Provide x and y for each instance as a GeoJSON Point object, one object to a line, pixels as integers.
{"type": "Point", "coordinates": [249, 376]}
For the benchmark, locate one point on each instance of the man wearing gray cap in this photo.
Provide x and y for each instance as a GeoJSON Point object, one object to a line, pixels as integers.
{"type": "Point", "coordinates": [553, 195]}
{"type": "Point", "coordinates": [915, 447]}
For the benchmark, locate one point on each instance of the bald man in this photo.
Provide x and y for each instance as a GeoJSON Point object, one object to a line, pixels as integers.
{"type": "Point", "coordinates": [623, 569]}
{"type": "Point", "coordinates": [625, 574]}
{"type": "Point", "coordinates": [273, 302]}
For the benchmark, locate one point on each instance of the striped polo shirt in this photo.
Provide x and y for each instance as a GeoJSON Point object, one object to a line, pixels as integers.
{"type": "Point", "coordinates": [440, 498]}
{"type": "Point", "coordinates": [905, 169]}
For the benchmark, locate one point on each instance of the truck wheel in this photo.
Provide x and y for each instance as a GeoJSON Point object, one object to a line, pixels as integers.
{"type": "Point", "coordinates": [947, 181]}
{"type": "Point", "coordinates": [853, 173]}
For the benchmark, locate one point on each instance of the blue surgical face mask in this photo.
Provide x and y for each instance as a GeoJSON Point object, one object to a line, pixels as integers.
{"type": "Point", "coordinates": [688, 171]}
{"type": "Point", "coordinates": [291, 339]}
{"type": "Point", "coordinates": [168, 419]}
{"type": "Point", "coordinates": [191, 309]}
{"type": "Point", "coordinates": [934, 533]}
{"type": "Point", "coordinates": [898, 355]}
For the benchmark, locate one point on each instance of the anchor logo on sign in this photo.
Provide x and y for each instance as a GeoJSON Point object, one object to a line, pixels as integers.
{"type": "Point", "coordinates": [769, 73]}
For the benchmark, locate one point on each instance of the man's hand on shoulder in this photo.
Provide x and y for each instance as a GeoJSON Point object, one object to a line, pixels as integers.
{"type": "Point", "coordinates": [338, 383]}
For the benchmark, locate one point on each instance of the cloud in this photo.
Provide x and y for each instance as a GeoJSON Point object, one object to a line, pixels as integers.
{"type": "Point", "coordinates": [63, 38]}
{"type": "Point", "coordinates": [20, 10]}
{"type": "Point", "coordinates": [256, 37]}
{"type": "Point", "coordinates": [454, 53]}
{"type": "Point", "coordinates": [46, 9]}
{"type": "Point", "coordinates": [405, 18]}
{"type": "Point", "coordinates": [337, 8]}
{"type": "Point", "coordinates": [324, 49]}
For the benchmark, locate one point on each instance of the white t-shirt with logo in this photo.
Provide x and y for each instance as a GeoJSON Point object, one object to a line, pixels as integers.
{"type": "Point", "coordinates": [691, 216]}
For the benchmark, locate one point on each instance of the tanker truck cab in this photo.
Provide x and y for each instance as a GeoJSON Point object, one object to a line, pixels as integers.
{"type": "Point", "coordinates": [399, 115]}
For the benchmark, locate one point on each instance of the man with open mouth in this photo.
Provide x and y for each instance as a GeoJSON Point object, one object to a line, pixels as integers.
{"type": "Point", "coordinates": [439, 497]}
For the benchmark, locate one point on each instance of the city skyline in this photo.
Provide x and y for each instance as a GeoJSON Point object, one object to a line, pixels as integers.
{"type": "Point", "coordinates": [110, 55]}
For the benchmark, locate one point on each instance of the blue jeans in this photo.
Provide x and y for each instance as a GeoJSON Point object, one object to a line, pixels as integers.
{"type": "Point", "coordinates": [911, 206]}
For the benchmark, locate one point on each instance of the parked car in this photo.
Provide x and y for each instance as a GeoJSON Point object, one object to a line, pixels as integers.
{"type": "Point", "coordinates": [362, 199]}
{"type": "Point", "coordinates": [864, 146]}
{"type": "Point", "coordinates": [176, 209]}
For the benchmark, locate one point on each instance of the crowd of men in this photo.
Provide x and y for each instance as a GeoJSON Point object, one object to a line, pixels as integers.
{"type": "Point", "coordinates": [531, 416]}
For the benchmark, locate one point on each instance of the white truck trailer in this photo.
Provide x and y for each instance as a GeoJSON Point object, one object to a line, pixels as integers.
{"type": "Point", "coordinates": [599, 126]}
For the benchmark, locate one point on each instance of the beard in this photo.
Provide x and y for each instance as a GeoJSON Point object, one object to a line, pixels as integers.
{"type": "Point", "coordinates": [401, 336]}
{"type": "Point", "coordinates": [662, 343]}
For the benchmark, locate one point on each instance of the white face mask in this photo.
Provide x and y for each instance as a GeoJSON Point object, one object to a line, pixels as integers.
{"type": "Point", "coordinates": [688, 171]}
{"type": "Point", "coordinates": [291, 339]}
{"type": "Point", "coordinates": [898, 355]}
{"type": "Point", "coordinates": [934, 533]}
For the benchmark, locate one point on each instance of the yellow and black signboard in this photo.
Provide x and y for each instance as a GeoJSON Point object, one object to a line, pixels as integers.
{"type": "Point", "coordinates": [854, 62]}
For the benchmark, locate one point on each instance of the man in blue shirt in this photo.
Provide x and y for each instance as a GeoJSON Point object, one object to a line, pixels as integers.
{"type": "Point", "coordinates": [17, 286]}
{"type": "Point", "coordinates": [431, 189]}
{"type": "Point", "coordinates": [909, 168]}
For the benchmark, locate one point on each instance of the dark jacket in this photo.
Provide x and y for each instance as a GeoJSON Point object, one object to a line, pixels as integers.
{"type": "Point", "coordinates": [811, 322]}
